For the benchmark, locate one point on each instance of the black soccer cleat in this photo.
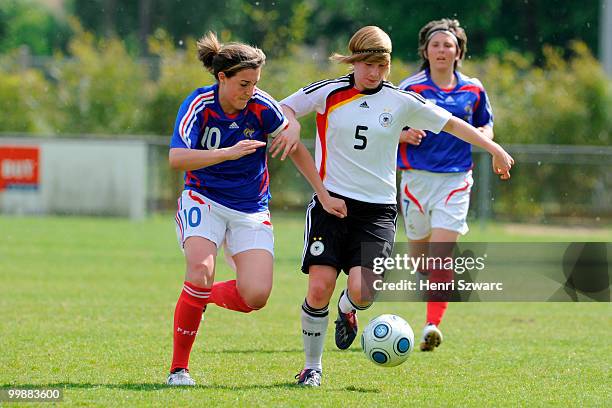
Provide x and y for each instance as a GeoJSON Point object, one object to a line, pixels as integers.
{"type": "Point", "coordinates": [309, 377]}
{"type": "Point", "coordinates": [346, 329]}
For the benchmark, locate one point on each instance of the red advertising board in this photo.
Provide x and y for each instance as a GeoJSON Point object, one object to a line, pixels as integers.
{"type": "Point", "coordinates": [19, 166]}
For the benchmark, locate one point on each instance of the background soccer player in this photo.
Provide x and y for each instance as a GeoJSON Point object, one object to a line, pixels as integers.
{"type": "Point", "coordinates": [359, 120]}
{"type": "Point", "coordinates": [219, 141]}
{"type": "Point", "coordinates": [437, 167]}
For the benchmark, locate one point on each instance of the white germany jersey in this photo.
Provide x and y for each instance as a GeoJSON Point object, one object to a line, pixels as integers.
{"type": "Point", "coordinates": [358, 133]}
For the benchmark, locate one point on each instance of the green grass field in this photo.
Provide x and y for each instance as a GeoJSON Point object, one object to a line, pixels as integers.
{"type": "Point", "coordinates": [87, 303]}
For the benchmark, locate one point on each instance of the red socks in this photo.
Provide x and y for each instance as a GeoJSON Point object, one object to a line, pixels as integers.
{"type": "Point", "coordinates": [225, 294]}
{"type": "Point", "coordinates": [437, 305]}
{"type": "Point", "coordinates": [187, 317]}
{"type": "Point", "coordinates": [188, 314]}
{"type": "Point", "coordinates": [435, 311]}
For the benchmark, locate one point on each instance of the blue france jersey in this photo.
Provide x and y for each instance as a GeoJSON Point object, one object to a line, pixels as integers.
{"type": "Point", "coordinates": [201, 124]}
{"type": "Point", "coordinates": [443, 152]}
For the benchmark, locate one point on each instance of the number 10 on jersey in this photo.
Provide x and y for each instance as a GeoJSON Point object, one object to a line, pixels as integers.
{"type": "Point", "coordinates": [211, 139]}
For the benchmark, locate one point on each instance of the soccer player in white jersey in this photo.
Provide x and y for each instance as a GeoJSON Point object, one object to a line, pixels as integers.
{"type": "Point", "coordinates": [359, 120]}
{"type": "Point", "coordinates": [437, 167]}
{"type": "Point", "coordinates": [219, 140]}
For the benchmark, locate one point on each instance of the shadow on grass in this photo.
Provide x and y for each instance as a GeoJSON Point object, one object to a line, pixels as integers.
{"type": "Point", "coordinates": [159, 386]}
{"type": "Point", "coordinates": [255, 351]}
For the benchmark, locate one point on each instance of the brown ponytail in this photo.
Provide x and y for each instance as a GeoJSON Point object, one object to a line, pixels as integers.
{"type": "Point", "coordinates": [228, 58]}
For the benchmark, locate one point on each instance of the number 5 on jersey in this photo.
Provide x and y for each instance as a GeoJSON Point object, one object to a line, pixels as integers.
{"type": "Point", "coordinates": [361, 137]}
{"type": "Point", "coordinates": [211, 138]}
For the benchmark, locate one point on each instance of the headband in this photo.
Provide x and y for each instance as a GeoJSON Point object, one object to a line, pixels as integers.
{"type": "Point", "coordinates": [371, 51]}
{"type": "Point", "coordinates": [445, 31]}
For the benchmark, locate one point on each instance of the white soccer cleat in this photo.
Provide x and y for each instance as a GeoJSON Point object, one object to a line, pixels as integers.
{"type": "Point", "coordinates": [432, 338]}
{"type": "Point", "coordinates": [180, 378]}
{"type": "Point", "coordinates": [309, 377]}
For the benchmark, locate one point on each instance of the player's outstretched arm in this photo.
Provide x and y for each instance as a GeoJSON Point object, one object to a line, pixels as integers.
{"type": "Point", "coordinates": [487, 131]}
{"type": "Point", "coordinates": [502, 161]}
{"type": "Point", "coordinates": [289, 138]}
{"type": "Point", "coordinates": [305, 164]}
{"type": "Point", "coordinates": [191, 159]}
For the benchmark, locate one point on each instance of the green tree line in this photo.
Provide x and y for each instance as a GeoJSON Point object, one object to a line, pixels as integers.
{"type": "Point", "coordinates": [99, 87]}
{"type": "Point", "coordinates": [493, 26]}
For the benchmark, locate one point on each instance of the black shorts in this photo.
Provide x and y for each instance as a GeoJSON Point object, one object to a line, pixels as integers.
{"type": "Point", "coordinates": [340, 242]}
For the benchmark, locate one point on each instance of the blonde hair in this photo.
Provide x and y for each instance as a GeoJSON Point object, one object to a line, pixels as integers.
{"type": "Point", "coordinates": [369, 44]}
{"type": "Point", "coordinates": [442, 25]}
{"type": "Point", "coordinates": [228, 58]}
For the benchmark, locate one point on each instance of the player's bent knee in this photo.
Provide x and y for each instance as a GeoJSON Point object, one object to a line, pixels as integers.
{"type": "Point", "coordinates": [256, 299]}
{"type": "Point", "coordinates": [200, 273]}
{"type": "Point", "coordinates": [257, 303]}
{"type": "Point", "coordinates": [319, 294]}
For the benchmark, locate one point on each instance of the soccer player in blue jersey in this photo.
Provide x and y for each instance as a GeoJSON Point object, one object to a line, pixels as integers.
{"type": "Point", "coordinates": [219, 140]}
{"type": "Point", "coordinates": [437, 167]}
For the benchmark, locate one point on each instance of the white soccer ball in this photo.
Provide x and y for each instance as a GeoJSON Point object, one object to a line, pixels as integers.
{"type": "Point", "coordinates": [387, 340]}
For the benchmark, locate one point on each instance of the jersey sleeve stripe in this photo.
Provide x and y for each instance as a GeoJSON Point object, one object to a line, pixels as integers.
{"type": "Point", "coordinates": [189, 117]}
{"type": "Point", "coordinates": [389, 85]}
{"type": "Point", "coordinates": [414, 95]}
{"type": "Point", "coordinates": [324, 82]}
{"type": "Point", "coordinates": [470, 80]}
{"type": "Point", "coordinates": [198, 99]}
{"type": "Point", "coordinates": [268, 101]}
{"type": "Point", "coordinates": [194, 116]}
{"type": "Point", "coordinates": [419, 88]}
{"type": "Point", "coordinates": [280, 128]}
{"type": "Point", "coordinates": [414, 79]}
{"type": "Point", "coordinates": [315, 84]}
{"type": "Point", "coordinates": [342, 80]}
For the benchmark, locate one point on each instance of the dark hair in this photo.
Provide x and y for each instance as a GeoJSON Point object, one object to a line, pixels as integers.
{"type": "Point", "coordinates": [228, 58]}
{"type": "Point", "coordinates": [444, 24]}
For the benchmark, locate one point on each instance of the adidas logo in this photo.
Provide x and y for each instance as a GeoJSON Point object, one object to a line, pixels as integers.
{"type": "Point", "coordinates": [364, 104]}
{"type": "Point", "coordinates": [449, 99]}
{"type": "Point", "coordinates": [233, 126]}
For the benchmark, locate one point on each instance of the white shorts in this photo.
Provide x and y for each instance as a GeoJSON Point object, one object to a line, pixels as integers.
{"type": "Point", "coordinates": [435, 200]}
{"type": "Point", "coordinates": [199, 216]}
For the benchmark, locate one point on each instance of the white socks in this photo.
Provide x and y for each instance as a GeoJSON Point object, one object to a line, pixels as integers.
{"type": "Point", "coordinates": [345, 304]}
{"type": "Point", "coordinates": [314, 327]}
